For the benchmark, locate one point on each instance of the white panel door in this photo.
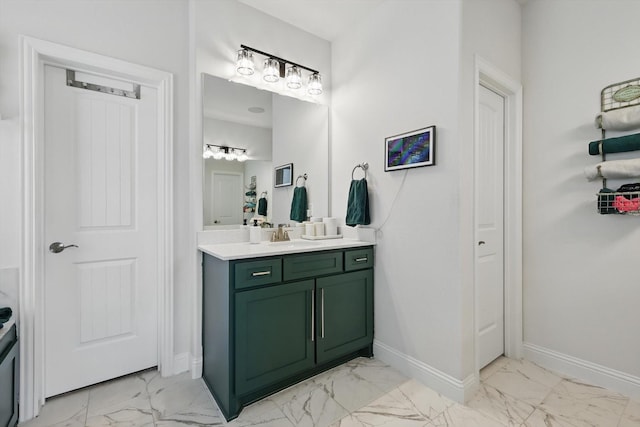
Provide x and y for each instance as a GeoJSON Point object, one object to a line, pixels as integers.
{"type": "Point", "coordinates": [489, 208]}
{"type": "Point", "coordinates": [100, 194]}
{"type": "Point", "coordinates": [227, 198]}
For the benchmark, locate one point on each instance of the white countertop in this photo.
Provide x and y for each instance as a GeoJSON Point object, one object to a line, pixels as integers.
{"type": "Point", "coordinates": [243, 250]}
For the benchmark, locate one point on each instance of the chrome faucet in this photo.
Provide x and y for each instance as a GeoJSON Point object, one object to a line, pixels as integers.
{"type": "Point", "coordinates": [280, 235]}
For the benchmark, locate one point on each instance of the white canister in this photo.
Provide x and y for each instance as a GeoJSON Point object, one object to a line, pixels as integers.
{"type": "Point", "coordinates": [330, 226]}
{"type": "Point", "coordinates": [309, 229]}
{"type": "Point", "coordinates": [319, 226]}
{"type": "Point", "coordinates": [315, 219]}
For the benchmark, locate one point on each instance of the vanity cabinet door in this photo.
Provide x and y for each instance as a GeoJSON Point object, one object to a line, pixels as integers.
{"type": "Point", "coordinates": [273, 336]}
{"type": "Point", "coordinates": [344, 322]}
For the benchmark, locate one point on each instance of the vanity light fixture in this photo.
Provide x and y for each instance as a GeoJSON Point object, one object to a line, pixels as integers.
{"type": "Point", "coordinates": [274, 69]}
{"type": "Point", "coordinates": [220, 152]}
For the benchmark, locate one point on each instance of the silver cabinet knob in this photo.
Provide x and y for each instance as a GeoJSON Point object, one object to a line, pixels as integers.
{"type": "Point", "coordinates": [57, 247]}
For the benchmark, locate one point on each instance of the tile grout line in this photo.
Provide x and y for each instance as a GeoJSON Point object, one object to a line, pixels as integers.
{"type": "Point", "coordinates": [86, 412]}
{"type": "Point", "coordinates": [624, 410]}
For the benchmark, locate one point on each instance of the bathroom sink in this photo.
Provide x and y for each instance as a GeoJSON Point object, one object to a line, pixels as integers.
{"type": "Point", "coordinates": [294, 244]}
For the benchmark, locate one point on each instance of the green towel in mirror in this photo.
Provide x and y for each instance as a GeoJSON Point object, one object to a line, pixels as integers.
{"type": "Point", "coordinates": [262, 206]}
{"type": "Point", "coordinates": [358, 203]}
{"type": "Point", "coordinates": [299, 204]}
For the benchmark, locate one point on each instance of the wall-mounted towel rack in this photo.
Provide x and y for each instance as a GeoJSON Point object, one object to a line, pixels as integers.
{"type": "Point", "coordinates": [364, 166]}
{"type": "Point", "coordinates": [304, 177]}
{"type": "Point", "coordinates": [618, 96]}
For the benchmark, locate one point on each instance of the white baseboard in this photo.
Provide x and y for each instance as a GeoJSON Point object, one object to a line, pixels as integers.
{"type": "Point", "coordinates": [445, 384]}
{"type": "Point", "coordinates": [180, 363]}
{"type": "Point", "coordinates": [590, 372]}
{"type": "Point", "coordinates": [196, 367]}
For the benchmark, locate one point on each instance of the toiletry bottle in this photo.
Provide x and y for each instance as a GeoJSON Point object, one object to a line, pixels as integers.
{"type": "Point", "coordinates": [255, 232]}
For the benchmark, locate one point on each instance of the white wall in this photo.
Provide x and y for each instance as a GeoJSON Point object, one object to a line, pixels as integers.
{"type": "Point", "coordinates": [389, 78]}
{"type": "Point", "coordinates": [491, 29]}
{"type": "Point", "coordinates": [581, 286]}
{"type": "Point", "coordinates": [397, 70]}
{"type": "Point", "coordinates": [154, 34]}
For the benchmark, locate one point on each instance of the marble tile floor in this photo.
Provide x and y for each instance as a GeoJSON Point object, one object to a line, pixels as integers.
{"type": "Point", "coordinates": [361, 393]}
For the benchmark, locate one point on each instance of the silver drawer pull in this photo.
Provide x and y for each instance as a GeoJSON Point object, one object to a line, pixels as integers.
{"type": "Point", "coordinates": [260, 273]}
{"type": "Point", "coordinates": [361, 259]}
{"type": "Point", "coordinates": [313, 315]}
{"type": "Point", "coordinates": [322, 308]}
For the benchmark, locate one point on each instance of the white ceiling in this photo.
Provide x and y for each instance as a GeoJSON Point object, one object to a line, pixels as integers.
{"type": "Point", "coordinates": [326, 19]}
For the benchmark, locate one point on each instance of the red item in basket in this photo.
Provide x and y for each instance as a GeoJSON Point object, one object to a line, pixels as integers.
{"type": "Point", "coordinates": [625, 205]}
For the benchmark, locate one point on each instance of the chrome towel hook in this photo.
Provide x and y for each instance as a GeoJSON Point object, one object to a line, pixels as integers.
{"type": "Point", "coordinates": [364, 166]}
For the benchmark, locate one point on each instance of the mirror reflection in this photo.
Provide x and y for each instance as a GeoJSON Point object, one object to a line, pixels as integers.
{"type": "Point", "coordinates": [246, 133]}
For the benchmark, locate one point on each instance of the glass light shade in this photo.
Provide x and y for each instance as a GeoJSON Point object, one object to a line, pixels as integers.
{"type": "Point", "coordinates": [271, 71]}
{"type": "Point", "coordinates": [241, 155]}
{"type": "Point", "coordinates": [294, 78]}
{"type": "Point", "coordinates": [244, 64]}
{"type": "Point", "coordinates": [208, 152]}
{"type": "Point", "coordinates": [315, 84]}
{"type": "Point", "coordinates": [218, 153]}
{"type": "Point", "coordinates": [230, 154]}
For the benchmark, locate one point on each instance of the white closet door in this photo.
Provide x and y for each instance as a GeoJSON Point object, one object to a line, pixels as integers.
{"type": "Point", "coordinates": [101, 195]}
{"type": "Point", "coordinates": [490, 227]}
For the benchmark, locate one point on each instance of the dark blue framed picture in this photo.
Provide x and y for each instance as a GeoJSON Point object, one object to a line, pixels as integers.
{"type": "Point", "coordinates": [410, 149]}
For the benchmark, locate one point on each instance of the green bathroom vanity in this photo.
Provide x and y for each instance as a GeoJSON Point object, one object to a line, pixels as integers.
{"type": "Point", "coordinates": [272, 321]}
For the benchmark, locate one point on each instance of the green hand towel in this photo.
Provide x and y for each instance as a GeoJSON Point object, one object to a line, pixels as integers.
{"type": "Point", "coordinates": [262, 206]}
{"type": "Point", "coordinates": [299, 204]}
{"type": "Point", "coordinates": [616, 145]}
{"type": "Point", "coordinates": [358, 203]}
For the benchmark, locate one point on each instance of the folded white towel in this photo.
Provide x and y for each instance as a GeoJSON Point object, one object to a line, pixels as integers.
{"type": "Point", "coordinates": [627, 118]}
{"type": "Point", "coordinates": [615, 169]}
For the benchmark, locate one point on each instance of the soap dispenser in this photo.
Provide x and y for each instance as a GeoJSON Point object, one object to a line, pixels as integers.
{"type": "Point", "coordinates": [255, 232]}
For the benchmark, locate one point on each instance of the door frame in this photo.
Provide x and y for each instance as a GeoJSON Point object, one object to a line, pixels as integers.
{"type": "Point", "coordinates": [34, 55]}
{"type": "Point", "coordinates": [496, 80]}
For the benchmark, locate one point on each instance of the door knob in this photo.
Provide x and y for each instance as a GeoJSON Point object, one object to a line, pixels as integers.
{"type": "Point", "coordinates": [57, 247]}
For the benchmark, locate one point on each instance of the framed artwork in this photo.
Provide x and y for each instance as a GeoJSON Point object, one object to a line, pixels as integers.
{"type": "Point", "coordinates": [284, 175]}
{"type": "Point", "coordinates": [410, 149]}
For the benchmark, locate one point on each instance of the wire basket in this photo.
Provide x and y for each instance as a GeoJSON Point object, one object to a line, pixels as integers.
{"type": "Point", "coordinates": [619, 203]}
{"type": "Point", "coordinates": [620, 95]}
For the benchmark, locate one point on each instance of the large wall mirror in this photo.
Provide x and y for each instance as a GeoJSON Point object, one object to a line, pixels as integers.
{"type": "Point", "coordinates": [270, 130]}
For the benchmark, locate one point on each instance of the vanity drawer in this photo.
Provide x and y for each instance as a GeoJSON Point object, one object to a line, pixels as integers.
{"type": "Point", "coordinates": [358, 259]}
{"type": "Point", "coordinates": [311, 265]}
{"type": "Point", "coordinates": [256, 273]}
